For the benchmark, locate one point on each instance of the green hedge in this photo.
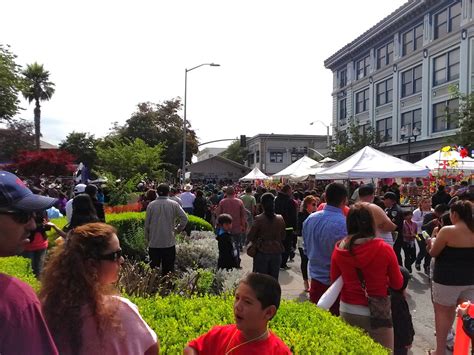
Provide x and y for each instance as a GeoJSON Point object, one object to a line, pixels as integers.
{"type": "Point", "coordinates": [130, 230]}
{"type": "Point", "coordinates": [305, 328]}
{"type": "Point", "coordinates": [20, 268]}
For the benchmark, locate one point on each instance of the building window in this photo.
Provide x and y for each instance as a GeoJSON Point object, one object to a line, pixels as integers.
{"type": "Point", "coordinates": [385, 55]}
{"type": "Point", "coordinates": [296, 156]}
{"type": "Point", "coordinates": [445, 115]}
{"type": "Point", "coordinates": [383, 128]}
{"type": "Point", "coordinates": [362, 101]}
{"type": "Point", "coordinates": [446, 67]}
{"type": "Point", "coordinates": [363, 68]}
{"type": "Point", "coordinates": [410, 120]}
{"type": "Point", "coordinates": [364, 128]}
{"type": "Point", "coordinates": [250, 159]}
{"type": "Point", "coordinates": [257, 156]}
{"type": "Point", "coordinates": [411, 81]}
{"type": "Point", "coordinates": [342, 111]}
{"type": "Point", "coordinates": [276, 157]}
{"type": "Point", "coordinates": [384, 92]}
{"type": "Point", "coordinates": [448, 20]}
{"type": "Point", "coordinates": [342, 75]}
{"type": "Point", "coordinates": [412, 40]}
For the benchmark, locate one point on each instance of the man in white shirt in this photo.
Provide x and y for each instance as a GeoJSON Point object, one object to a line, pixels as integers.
{"type": "Point", "coordinates": [187, 198]}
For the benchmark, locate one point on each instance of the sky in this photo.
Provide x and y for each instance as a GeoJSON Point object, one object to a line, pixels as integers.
{"type": "Point", "coordinates": [107, 56]}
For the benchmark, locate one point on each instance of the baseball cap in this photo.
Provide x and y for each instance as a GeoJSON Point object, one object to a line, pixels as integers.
{"type": "Point", "coordinates": [15, 195]}
{"type": "Point", "coordinates": [80, 188]}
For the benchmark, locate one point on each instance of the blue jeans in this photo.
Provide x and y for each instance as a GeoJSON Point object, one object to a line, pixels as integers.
{"type": "Point", "coordinates": [267, 264]}
{"type": "Point", "coordinates": [37, 260]}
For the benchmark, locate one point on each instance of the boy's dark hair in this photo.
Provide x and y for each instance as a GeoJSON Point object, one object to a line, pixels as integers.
{"type": "Point", "coordinates": [336, 193]}
{"type": "Point", "coordinates": [407, 213]}
{"type": "Point", "coordinates": [366, 190]}
{"type": "Point", "coordinates": [163, 190]}
{"type": "Point", "coordinates": [248, 189]}
{"type": "Point", "coordinates": [266, 288]}
{"type": "Point", "coordinates": [224, 219]}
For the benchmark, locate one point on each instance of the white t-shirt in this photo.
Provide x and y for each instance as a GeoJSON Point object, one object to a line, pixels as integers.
{"type": "Point", "coordinates": [187, 198]}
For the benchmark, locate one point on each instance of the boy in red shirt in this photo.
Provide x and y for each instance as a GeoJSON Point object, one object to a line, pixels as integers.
{"type": "Point", "coordinates": [256, 302]}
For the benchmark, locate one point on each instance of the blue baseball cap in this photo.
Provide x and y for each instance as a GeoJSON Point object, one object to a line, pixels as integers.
{"type": "Point", "coordinates": [15, 195]}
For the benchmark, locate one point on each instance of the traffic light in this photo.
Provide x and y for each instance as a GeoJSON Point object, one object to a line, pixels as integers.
{"type": "Point", "coordinates": [243, 141]}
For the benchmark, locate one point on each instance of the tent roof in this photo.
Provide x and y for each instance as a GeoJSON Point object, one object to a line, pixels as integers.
{"type": "Point", "coordinates": [371, 163]}
{"type": "Point", "coordinates": [255, 174]}
{"type": "Point", "coordinates": [301, 167]}
{"type": "Point", "coordinates": [435, 161]}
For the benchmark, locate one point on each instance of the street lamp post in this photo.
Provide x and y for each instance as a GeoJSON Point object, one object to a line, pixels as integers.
{"type": "Point", "coordinates": [405, 134]}
{"type": "Point", "coordinates": [183, 169]}
{"type": "Point", "coordinates": [327, 131]}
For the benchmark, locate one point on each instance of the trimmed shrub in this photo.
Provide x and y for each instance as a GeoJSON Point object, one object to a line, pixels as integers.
{"type": "Point", "coordinates": [305, 328]}
{"type": "Point", "coordinates": [130, 230]}
{"type": "Point", "coordinates": [20, 268]}
{"type": "Point", "coordinates": [177, 320]}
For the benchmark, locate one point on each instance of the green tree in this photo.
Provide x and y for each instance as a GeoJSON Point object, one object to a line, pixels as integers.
{"type": "Point", "coordinates": [160, 124]}
{"type": "Point", "coordinates": [17, 137]}
{"type": "Point", "coordinates": [10, 84]}
{"type": "Point", "coordinates": [235, 153]}
{"type": "Point", "coordinates": [465, 117]}
{"type": "Point", "coordinates": [37, 88]}
{"type": "Point", "coordinates": [127, 159]}
{"type": "Point", "coordinates": [351, 140]}
{"type": "Point", "coordinates": [83, 146]}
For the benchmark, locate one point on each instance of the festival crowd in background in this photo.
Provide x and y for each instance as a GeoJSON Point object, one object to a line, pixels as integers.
{"type": "Point", "coordinates": [360, 234]}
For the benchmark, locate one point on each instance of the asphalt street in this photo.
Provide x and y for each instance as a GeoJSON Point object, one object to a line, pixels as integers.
{"type": "Point", "coordinates": [418, 296]}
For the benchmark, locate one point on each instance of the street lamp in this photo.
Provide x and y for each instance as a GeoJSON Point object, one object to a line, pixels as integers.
{"type": "Point", "coordinates": [405, 134]}
{"type": "Point", "coordinates": [183, 171]}
{"type": "Point", "coordinates": [327, 131]}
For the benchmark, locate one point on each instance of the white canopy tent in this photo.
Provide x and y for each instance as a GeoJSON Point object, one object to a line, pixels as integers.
{"type": "Point", "coordinates": [297, 170]}
{"type": "Point", "coordinates": [370, 163]}
{"type": "Point", "coordinates": [443, 161]}
{"type": "Point", "coordinates": [255, 174]}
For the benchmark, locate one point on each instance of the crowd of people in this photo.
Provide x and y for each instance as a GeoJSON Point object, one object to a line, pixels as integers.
{"type": "Point", "coordinates": [369, 243]}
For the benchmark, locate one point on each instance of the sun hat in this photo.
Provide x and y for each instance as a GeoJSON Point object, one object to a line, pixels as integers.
{"type": "Point", "coordinates": [188, 187]}
{"type": "Point", "coordinates": [14, 195]}
{"type": "Point", "coordinates": [80, 188]}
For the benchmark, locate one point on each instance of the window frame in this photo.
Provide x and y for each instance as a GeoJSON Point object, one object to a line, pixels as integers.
{"type": "Point", "coordinates": [364, 70]}
{"type": "Point", "coordinates": [412, 123]}
{"type": "Point", "coordinates": [447, 124]}
{"type": "Point", "coordinates": [387, 93]}
{"type": "Point", "coordinates": [276, 155]}
{"type": "Point", "coordinates": [364, 102]}
{"type": "Point", "coordinates": [386, 137]}
{"type": "Point", "coordinates": [448, 23]}
{"type": "Point", "coordinates": [342, 120]}
{"type": "Point", "coordinates": [412, 82]}
{"type": "Point", "coordinates": [387, 55]}
{"type": "Point", "coordinates": [447, 68]}
{"type": "Point", "coordinates": [406, 49]}
{"type": "Point", "coordinates": [342, 78]}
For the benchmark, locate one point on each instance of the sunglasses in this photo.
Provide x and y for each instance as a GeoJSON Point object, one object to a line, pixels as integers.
{"type": "Point", "coordinates": [114, 256]}
{"type": "Point", "coordinates": [21, 217]}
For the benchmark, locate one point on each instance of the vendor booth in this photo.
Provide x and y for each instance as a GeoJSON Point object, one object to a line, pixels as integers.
{"type": "Point", "coordinates": [298, 170]}
{"type": "Point", "coordinates": [255, 174]}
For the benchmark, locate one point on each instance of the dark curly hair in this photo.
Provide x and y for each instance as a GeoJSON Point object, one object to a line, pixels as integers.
{"type": "Point", "coordinates": [70, 282]}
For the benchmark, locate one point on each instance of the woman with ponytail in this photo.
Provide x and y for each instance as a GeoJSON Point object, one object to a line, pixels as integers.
{"type": "Point", "coordinates": [378, 266]}
{"type": "Point", "coordinates": [267, 233]}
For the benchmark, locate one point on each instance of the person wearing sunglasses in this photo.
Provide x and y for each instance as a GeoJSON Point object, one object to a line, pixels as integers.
{"type": "Point", "coordinates": [80, 301]}
{"type": "Point", "coordinates": [23, 329]}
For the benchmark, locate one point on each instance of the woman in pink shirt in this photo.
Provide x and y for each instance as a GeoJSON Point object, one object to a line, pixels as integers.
{"type": "Point", "coordinates": [82, 310]}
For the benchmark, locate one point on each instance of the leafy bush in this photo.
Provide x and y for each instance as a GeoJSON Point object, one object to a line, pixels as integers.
{"type": "Point", "coordinates": [197, 254]}
{"type": "Point", "coordinates": [130, 228]}
{"type": "Point", "coordinates": [305, 328]}
{"type": "Point", "coordinates": [20, 268]}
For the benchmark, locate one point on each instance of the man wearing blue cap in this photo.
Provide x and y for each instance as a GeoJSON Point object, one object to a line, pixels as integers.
{"type": "Point", "coordinates": [23, 329]}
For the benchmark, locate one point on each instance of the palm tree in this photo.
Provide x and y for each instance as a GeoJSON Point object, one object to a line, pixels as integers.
{"type": "Point", "coordinates": [37, 87]}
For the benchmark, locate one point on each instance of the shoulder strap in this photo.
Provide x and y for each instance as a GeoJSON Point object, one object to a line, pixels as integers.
{"type": "Point", "coordinates": [362, 280]}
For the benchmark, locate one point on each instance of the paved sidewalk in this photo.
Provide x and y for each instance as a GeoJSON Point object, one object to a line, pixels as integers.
{"type": "Point", "coordinates": [419, 300]}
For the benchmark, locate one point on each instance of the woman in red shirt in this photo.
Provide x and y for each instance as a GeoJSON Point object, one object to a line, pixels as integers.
{"type": "Point", "coordinates": [378, 264]}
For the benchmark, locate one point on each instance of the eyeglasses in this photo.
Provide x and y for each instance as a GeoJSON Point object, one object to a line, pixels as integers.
{"type": "Point", "coordinates": [21, 217]}
{"type": "Point", "coordinates": [114, 256]}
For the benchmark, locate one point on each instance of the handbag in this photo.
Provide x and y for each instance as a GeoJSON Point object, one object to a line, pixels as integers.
{"type": "Point", "coordinates": [380, 307]}
{"type": "Point", "coordinates": [252, 249]}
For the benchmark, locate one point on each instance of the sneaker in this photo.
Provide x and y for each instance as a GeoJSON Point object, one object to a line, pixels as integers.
{"type": "Point", "coordinates": [427, 270]}
{"type": "Point", "coordinates": [417, 267]}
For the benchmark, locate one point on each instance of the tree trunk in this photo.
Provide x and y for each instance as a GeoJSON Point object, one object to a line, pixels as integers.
{"type": "Point", "coordinates": [37, 112]}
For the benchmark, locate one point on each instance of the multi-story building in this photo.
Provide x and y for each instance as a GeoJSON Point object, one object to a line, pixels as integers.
{"type": "Point", "coordinates": [207, 153]}
{"type": "Point", "coordinates": [396, 77]}
{"type": "Point", "coordinates": [272, 153]}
